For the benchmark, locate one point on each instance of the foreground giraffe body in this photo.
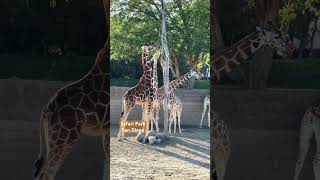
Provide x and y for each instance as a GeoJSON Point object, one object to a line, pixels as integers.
{"type": "Point", "coordinates": [310, 126]}
{"type": "Point", "coordinates": [79, 108]}
{"type": "Point", "coordinates": [174, 102]}
{"type": "Point", "coordinates": [144, 93]}
{"type": "Point", "coordinates": [222, 62]}
{"type": "Point", "coordinates": [206, 104]}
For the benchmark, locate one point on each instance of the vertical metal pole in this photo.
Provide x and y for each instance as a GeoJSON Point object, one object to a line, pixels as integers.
{"type": "Point", "coordinates": [165, 68]}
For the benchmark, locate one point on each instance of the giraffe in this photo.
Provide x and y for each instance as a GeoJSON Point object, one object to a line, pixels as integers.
{"type": "Point", "coordinates": [81, 107]}
{"type": "Point", "coordinates": [206, 104]}
{"type": "Point", "coordinates": [144, 93]}
{"type": "Point", "coordinates": [224, 61]}
{"type": "Point", "coordinates": [310, 126]}
{"type": "Point", "coordinates": [175, 110]}
{"type": "Point", "coordinates": [173, 85]}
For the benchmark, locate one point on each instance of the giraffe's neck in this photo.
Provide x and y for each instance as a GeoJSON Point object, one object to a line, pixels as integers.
{"type": "Point", "coordinates": [226, 60]}
{"type": "Point", "coordinates": [99, 73]}
{"type": "Point", "coordinates": [173, 85]}
{"type": "Point", "coordinates": [155, 75]}
{"type": "Point", "coordinates": [148, 66]}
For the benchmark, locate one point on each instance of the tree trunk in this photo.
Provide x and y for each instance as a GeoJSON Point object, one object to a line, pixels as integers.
{"type": "Point", "coordinates": [314, 30]}
{"type": "Point", "coordinates": [215, 32]}
{"type": "Point", "coordinates": [175, 66]}
{"type": "Point", "coordinates": [304, 35]}
{"type": "Point", "coordinates": [260, 67]}
{"type": "Point", "coordinates": [191, 83]}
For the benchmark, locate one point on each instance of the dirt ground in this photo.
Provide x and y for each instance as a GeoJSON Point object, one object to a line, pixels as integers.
{"type": "Point", "coordinates": [185, 156]}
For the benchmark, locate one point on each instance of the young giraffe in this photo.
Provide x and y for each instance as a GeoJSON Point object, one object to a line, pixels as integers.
{"type": "Point", "coordinates": [144, 93]}
{"type": "Point", "coordinates": [175, 110]}
{"type": "Point", "coordinates": [224, 61]}
{"type": "Point", "coordinates": [206, 104]}
{"type": "Point", "coordinates": [79, 108]}
{"type": "Point", "coordinates": [310, 126]}
{"type": "Point", "coordinates": [173, 85]}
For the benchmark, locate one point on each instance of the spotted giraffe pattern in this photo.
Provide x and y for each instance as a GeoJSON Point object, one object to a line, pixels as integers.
{"type": "Point", "coordinates": [222, 62]}
{"type": "Point", "coordinates": [144, 93]}
{"type": "Point", "coordinates": [175, 110]}
{"type": "Point", "coordinates": [173, 85]}
{"type": "Point", "coordinates": [222, 146]}
{"type": "Point", "coordinates": [310, 126]}
{"type": "Point", "coordinates": [79, 108]}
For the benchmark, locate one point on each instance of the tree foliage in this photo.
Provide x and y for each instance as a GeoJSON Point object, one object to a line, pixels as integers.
{"type": "Point", "coordinates": [138, 22]}
{"type": "Point", "coordinates": [293, 8]}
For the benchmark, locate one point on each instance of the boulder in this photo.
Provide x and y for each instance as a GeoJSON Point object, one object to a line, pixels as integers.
{"type": "Point", "coordinates": [158, 141]}
{"type": "Point", "coordinates": [152, 140]}
{"type": "Point", "coordinates": [140, 136]}
{"type": "Point", "coordinates": [150, 133]}
{"type": "Point", "coordinates": [162, 136]}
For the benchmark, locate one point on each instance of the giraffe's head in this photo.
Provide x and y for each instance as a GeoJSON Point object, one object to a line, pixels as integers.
{"type": "Point", "coordinates": [148, 52]}
{"type": "Point", "coordinates": [193, 73]}
{"type": "Point", "coordinates": [272, 37]}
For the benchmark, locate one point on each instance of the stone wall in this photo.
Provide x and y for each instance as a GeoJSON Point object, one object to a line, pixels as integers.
{"type": "Point", "coordinates": [192, 101]}
{"type": "Point", "coordinates": [241, 108]}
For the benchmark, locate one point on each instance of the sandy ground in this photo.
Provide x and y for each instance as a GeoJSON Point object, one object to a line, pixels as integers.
{"type": "Point", "coordinates": [185, 156]}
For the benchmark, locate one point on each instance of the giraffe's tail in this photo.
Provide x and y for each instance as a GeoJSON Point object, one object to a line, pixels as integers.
{"type": "Point", "coordinates": [214, 175]}
{"type": "Point", "coordinates": [38, 164]}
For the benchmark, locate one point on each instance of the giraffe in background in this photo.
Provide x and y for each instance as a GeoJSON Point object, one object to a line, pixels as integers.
{"type": "Point", "coordinates": [206, 104]}
{"type": "Point", "coordinates": [175, 110]}
{"type": "Point", "coordinates": [174, 102]}
{"type": "Point", "coordinates": [310, 126]}
{"type": "Point", "coordinates": [222, 62]}
{"type": "Point", "coordinates": [145, 92]}
{"type": "Point", "coordinates": [81, 107]}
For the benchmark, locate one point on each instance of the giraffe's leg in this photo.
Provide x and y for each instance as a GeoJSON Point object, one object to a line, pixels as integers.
{"type": "Point", "coordinates": [179, 119]}
{"type": "Point", "coordinates": [123, 121]}
{"type": "Point", "coordinates": [59, 145]}
{"type": "Point", "coordinates": [106, 148]}
{"type": "Point", "coordinates": [170, 122]}
{"type": "Point", "coordinates": [316, 159]}
{"type": "Point", "coordinates": [127, 108]}
{"type": "Point", "coordinates": [220, 162]}
{"type": "Point", "coordinates": [306, 132]}
{"type": "Point", "coordinates": [174, 117]}
{"type": "Point", "coordinates": [157, 118]}
{"type": "Point", "coordinates": [151, 119]}
{"type": "Point", "coordinates": [209, 116]}
{"type": "Point", "coordinates": [203, 112]}
{"type": "Point", "coordinates": [155, 121]}
{"type": "Point", "coordinates": [147, 117]}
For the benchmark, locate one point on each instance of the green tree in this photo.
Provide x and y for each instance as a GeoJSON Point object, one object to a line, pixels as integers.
{"type": "Point", "coordinates": [296, 17]}
{"type": "Point", "coordinates": [136, 22]}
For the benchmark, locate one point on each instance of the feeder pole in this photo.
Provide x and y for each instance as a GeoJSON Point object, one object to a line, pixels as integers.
{"type": "Point", "coordinates": [165, 62]}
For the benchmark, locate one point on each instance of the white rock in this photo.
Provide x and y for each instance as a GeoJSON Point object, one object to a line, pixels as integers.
{"type": "Point", "coordinates": [152, 140]}
{"type": "Point", "coordinates": [150, 133]}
